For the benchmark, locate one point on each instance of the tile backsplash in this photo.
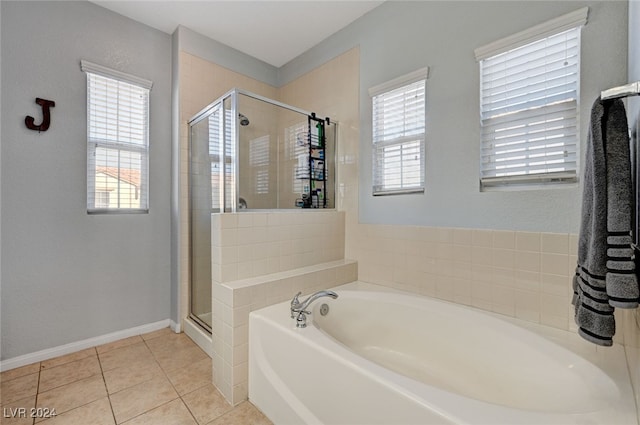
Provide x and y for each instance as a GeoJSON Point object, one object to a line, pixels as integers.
{"type": "Point", "coordinates": [252, 244]}
{"type": "Point", "coordinates": [520, 274]}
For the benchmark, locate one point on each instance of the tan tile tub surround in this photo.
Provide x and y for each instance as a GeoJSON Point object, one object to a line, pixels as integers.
{"type": "Point", "coordinates": [233, 301]}
{"type": "Point", "coordinates": [519, 274]}
{"type": "Point", "coordinates": [262, 258]}
{"type": "Point", "coordinates": [246, 245]}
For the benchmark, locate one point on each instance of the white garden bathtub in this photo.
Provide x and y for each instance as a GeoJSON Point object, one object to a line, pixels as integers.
{"type": "Point", "coordinates": [385, 357]}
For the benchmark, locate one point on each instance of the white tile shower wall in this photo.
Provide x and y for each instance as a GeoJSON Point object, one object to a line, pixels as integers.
{"type": "Point", "coordinates": [259, 259]}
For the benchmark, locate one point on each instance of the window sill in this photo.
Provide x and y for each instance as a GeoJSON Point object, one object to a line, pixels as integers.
{"type": "Point", "coordinates": [117, 211]}
{"type": "Point", "coordinates": [399, 192]}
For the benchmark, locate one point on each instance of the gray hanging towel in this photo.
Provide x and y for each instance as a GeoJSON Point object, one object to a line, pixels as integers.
{"type": "Point", "coordinates": [606, 275]}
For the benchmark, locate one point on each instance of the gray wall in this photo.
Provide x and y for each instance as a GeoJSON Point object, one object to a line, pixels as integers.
{"type": "Point", "coordinates": [223, 55]}
{"type": "Point", "coordinates": [66, 275]}
{"type": "Point", "coordinates": [175, 179]}
{"type": "Point", "coordinates": [400, 37]}
{"type": "Point", "coordinates": [633, 104]}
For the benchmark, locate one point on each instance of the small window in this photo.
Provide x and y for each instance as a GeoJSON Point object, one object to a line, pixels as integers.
{"type": "Point", "coordinates": [399, 134]}
{"type": "Point", "coordinates": [529, 109]}
{"type": "Point", "coordinates": [117, 141]}
{"type": "Point", "coordinates": [259, 163]}
{"type": "Point", "coordinates": [215, 124]}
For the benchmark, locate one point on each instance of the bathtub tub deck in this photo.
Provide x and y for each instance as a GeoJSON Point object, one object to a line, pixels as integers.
{"type": "Point", "coordinates": [384, 357]}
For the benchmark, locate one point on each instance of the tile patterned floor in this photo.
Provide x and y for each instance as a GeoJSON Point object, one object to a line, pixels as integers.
{"type": "Point", "coordinates": [160, 378]}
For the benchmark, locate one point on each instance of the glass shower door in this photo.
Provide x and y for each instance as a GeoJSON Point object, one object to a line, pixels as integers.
{"type": "Point", "coordinates": [205, 166]}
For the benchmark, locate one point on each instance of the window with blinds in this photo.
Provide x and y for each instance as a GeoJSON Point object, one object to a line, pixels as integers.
{"type": "Point", "coordinates": [259, 163]}
{"type": "Point", "coordinates": [529, 112]}
{"type": "Point", "coordinates": [219, 118]}
{"type": "Point", "coordinates": [117, 141]}
{"type": "Point", "coordinates": [215, 162]}
{"type": "Point", "coordinates": [399, 134]}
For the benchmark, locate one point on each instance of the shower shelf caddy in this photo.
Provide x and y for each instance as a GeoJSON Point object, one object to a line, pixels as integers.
{"type": "Point", "coordinates": [312, 168]}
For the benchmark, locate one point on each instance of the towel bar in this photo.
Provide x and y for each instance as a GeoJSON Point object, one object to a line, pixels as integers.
{"type": "Point", "coordinates": [632, 89]}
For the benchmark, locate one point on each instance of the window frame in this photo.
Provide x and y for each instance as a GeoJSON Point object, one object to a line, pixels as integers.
{"type": "Point", "coordinates": [115, 144]}
{"type": "Point", "coordinates": [554, 27]}
{"type": "Point", "coordinates": [420, 75]}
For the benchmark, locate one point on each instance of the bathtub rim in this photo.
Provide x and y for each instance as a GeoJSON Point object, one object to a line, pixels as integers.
{"type": "Point", "coordinates": [414, 389]}
{"type": "Point", "coordinates": [557, 355]}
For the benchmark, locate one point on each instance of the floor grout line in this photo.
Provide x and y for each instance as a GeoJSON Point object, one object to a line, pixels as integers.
{"type": "Point", "coordinates": [172, 386]}
{"type": "Point", "coordinates": [106, 388]}
{"type": "Point", "coordinates": [152, 359]}
{"type": "Point", "coordinates": [33, 420]}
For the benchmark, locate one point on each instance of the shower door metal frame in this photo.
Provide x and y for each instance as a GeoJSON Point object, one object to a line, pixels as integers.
{"type": "Point", "coordinates": [235, 139]}
{"type": "Point", "coordinates": [202, 115]}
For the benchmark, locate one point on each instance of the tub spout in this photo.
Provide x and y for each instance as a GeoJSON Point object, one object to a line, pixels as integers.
{"type": "Point", "coordinates": [299, 308]}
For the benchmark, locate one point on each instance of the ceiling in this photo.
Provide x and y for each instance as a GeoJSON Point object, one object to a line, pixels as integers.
{"type": "Point", "coordinates": [272, 31]}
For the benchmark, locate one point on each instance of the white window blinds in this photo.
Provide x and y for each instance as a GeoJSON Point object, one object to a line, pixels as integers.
{"type": "Point", "coordinates": [117, 141]}
{"type": "Point", "coordinates": [529, 111]}
{"type": "Point", "coordinates": [260, 164]}
{"type": "Point", "coordinates": [399, 135]}
{"type": "Point", "coordinates": [215, 139]}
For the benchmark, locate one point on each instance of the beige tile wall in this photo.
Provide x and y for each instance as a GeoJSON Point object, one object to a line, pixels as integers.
{"type": "Point", "coordinates": [333, 90]}
{"type": "Point", "coordinates": [250, 244]}
{"type": "Point", "coordinates": [261, 259]}
{"type": "Point", "coordinates": [234, 301]}
{"type": "Point", "coordinates": [520, 274]}
{"type": "Point", "coordinates": [201, 83]}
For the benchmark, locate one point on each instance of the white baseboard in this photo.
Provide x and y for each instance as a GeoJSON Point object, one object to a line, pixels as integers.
{"type": "Point", "coordinates": [72, 347]}
{"type": "Point", "coordinates": [175, 327]}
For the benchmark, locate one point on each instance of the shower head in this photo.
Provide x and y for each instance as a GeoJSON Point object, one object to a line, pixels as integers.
{"type": "Point", "coordinates": [244, 121]}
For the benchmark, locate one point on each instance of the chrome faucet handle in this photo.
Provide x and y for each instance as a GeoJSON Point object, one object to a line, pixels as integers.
{"type": "Point", "coordinates": [300, 308]}
{"type": "Point", "coordinates": [295, 302]}
{"type": "Point", "coordinates": [301, 320]}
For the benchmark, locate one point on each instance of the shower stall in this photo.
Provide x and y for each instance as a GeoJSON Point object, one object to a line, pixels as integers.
{"type": "Point", "coordinates": [250, 153]}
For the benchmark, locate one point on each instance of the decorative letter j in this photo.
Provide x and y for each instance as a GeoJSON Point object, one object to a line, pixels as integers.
{"type": "Point", "coordinates": [46, 115]}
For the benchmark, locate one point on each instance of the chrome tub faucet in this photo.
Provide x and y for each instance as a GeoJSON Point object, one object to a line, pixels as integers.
{"type": "Point", "coordinates": [299, 308]}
